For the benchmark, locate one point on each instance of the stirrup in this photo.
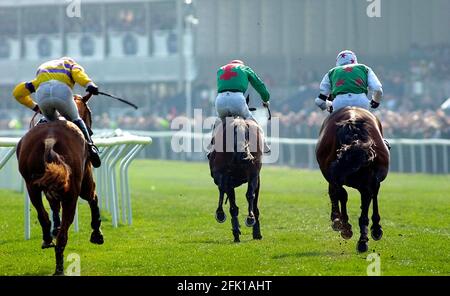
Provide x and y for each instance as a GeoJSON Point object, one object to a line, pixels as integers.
{"type": "Point", "coordinates": [41, 121]}
{"type": "Point", "coordinates": [267, 149]}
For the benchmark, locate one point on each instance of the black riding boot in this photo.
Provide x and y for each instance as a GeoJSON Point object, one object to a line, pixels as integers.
{"type": "Point", "coordinates": [93, 150]}
{"type": "Point", "coordinates": [266, 146]}
{"type": "Point", "coordinates": [210, 147]}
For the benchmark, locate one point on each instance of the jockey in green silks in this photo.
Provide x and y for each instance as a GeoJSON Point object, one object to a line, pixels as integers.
{"type": "Point", "coordinates": [348, 83]}
{"type": "Point", "coordinates": [232, 82]}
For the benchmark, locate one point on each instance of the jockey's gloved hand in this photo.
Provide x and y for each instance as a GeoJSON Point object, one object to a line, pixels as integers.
{"type": "Point", "coordinates": [323, 104]}
{"type": "Point", "coordinates": [93, 89]}
{"type": "Point", "coordinates": [36, 109]}
{"type": "Point", "coordinates": [266, 104]}
{"type": "Point", "coordinates": [374, 104]}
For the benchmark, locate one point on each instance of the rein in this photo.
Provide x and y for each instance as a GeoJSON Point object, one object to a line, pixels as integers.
{"type": "Point", "coordinates": [32, 120]}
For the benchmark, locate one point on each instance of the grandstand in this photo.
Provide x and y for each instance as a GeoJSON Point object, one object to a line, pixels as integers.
{"type": "Point", "coordinates": [163, 54]}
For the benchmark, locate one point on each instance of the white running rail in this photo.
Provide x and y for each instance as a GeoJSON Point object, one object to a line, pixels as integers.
{"type": "Point", "coordinates": [407, 155]}
{"type": "Point", "coordinates": [117, 152]}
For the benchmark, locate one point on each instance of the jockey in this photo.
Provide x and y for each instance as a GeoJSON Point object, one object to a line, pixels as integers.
{"type": "Point", "coordinates": [232, 83]}
{"type": "Point", "coordinates": [53, 85]}
{"type": "Point", "coordinates": [348, 84]}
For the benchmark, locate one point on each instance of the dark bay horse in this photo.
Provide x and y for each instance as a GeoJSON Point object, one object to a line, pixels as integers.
{"type": "Point", "coordinates": [351, 152]}
{"type": "Point", "coordinates": [237, 160]}
{"type": "Point", "coordinates": [53, 158]}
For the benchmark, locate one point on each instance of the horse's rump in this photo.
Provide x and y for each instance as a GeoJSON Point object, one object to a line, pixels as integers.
{"type": "Point", "coordinates": [350, 139]}
{"type": "Point", "coordinates": [51, 156]}
{"type": "Point", "coordinates": [238, 145]}
{"type": "Point", "coordinates": [57, 173]}
{"type": "Point", "coordinates": [239, 137]}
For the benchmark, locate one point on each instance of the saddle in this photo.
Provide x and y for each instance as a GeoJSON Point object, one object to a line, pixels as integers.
{"type": "Point", "coordinates": [43, 120]}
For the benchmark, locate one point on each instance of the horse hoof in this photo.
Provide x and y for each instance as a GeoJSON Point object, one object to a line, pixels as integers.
{"type": "Point", "coordinates": [97, 237]}
{"type": "Point", "coordinates": [237, 240]}
{"type": "Point", "coordinates": [221, 217]}
{"type": "Point", "coordinates": [47, 245]}
{"type": "Point", "coordinates": [257, 236]}
{"type": "Point", "coordinates": [336, 225]}
{"type": "Point", "coordinates": [59, 273]}
{"type": "Point", "coordinates": [376, 233]}
{"type": "Point", "coordinates": [347, 233]}
{"type": "Point", "coordinates": [362, 246]}
{"type": "Point", "coordinates": [250, 221]}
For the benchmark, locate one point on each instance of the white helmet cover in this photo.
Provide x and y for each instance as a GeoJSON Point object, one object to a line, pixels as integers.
{"type": "Point", "coordinates": [346, 57]}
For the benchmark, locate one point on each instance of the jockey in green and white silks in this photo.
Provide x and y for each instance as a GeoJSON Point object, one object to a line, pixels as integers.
{"type": "Point", "coordinates": [348, 84]}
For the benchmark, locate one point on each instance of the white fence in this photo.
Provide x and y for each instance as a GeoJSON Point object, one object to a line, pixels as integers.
{"type": "Point", "coordinates": [117, 153]}
{"type": "Point", "coordinates": [429, 156]}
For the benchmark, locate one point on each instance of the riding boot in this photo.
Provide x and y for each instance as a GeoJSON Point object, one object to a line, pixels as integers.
{"type": "Point", "coordinates": [93, 150]}
{"type": "Point", "coordinates": [266, 146]}
{"type": "Point", "coordinates": [210, 147]}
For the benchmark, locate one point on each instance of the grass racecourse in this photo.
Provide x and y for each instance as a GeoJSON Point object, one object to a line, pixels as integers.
{"type": "Point", "coordinates": [174, 231]}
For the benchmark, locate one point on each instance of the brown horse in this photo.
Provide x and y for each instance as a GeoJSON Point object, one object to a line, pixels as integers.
{"type": "Point", "coordinates": [351, 152]}
{"type": "Point", "coordinates": [53, 158]}
{"type": "Point", "coordinates": [237, 160]}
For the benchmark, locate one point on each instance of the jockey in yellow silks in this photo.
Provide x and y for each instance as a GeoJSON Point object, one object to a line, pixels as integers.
{"type": "Point", "coordinates": [53, 85]}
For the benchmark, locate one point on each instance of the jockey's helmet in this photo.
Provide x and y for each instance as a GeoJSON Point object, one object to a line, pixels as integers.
{"type": "Point", "coordinates": [71, 60]}
{"type": "Point", "coordinates": [346, 57]}
{"type": "Point", "coordinates": [237, 62]}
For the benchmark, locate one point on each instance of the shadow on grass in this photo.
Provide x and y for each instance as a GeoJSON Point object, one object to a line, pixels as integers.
{"type": "Point", "coordinates": [306, 254]}
{"type": "Point", "coordinates": [219, 242]}
{"type": "Point", "coordinates": [40, 272]}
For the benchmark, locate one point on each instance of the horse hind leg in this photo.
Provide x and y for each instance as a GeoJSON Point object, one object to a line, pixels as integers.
{"type": "Point", "coordinates": [234, 212]}
{"type": "Point", "coordinates": [333, 192]}
{"type": "Point", "coordinates": [376, 230]}
{"type": "Point", "coordinates": [256, 228]}
{"type": "Point", "coordinates": [220, 214]}
{"type": "Point", "coordinates": [346, 227]}
{"type": "Point", "coordinates": [96, 235]}
{"type": "Point", "coordinates": [252, 185]}
{"type": "Point", "coordinates": [339, 218]}
{"type": "Point", "coordinates": [363, 242]}
{"type": "Point", "coordinates": [36, 199]}
{"type": "Point", "coordinates": [68, 214]}
{"type": "Point", "coordinates": [56, 207]}
{"type": "Point", "coordinates": [88, 194]}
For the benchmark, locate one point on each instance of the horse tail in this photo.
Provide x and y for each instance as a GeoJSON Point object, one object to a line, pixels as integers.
{"type": "Point", "coordinates": [56, 177]}
{"type": "Point", "coordinates": [241, 149]}
{"type": "Point", "coordinates": [355, 150]}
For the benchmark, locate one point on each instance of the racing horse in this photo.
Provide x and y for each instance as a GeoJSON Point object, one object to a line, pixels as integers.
{"type": "Point", "coordinates": [53, 158]}
{"type": "Point", "coordinates": [237, 160]}
{"type": "Point", "coordinates": [351, 152]}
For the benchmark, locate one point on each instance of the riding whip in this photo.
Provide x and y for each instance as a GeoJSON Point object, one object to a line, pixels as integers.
{"type": "Point", "coordinates": [119, 99]}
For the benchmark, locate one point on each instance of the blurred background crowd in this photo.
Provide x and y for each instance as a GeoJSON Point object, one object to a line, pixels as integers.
{"type": "Point", "coordinates": [145, 52]}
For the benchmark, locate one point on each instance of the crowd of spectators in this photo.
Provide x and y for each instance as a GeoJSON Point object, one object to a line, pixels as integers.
{"type": "Point", "coordinates": [413, 95]}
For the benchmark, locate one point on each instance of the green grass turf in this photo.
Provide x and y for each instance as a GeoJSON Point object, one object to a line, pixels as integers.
{"type": "Point", "coordinates": [174, 231]}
